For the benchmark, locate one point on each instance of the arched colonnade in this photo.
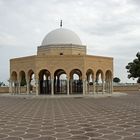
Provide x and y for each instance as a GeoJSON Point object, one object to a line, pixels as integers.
{"type": "Point", "coordinates": [61, 82]}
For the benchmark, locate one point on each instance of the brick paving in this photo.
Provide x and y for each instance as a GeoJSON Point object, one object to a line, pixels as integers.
{"type": "Point", "coordinates": [109, 118]}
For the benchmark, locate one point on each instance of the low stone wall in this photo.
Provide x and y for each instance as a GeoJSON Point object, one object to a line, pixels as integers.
{"type": "Point", "coordinates": [117, 88]}
{"type": "Point", "coordinates": [4, 89]}
{"type": "Point", "coordinates": [121, 88]}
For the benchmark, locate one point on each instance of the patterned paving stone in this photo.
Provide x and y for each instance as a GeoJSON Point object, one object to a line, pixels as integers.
{"type": "Point", "coordinates": [73, 127]}
{"type": "Point", "coordinates": [61, 129]}
{"type": "Point", "coordinates": [100, 126]}
{"type": "Point", "coordinates": [32, 130]}
{"type": "Point", "coordinates": [131, 138]}
{"type": "Point", "coordinates": [62, 135]}
{"type": "Point", "coordinates": [112, 137]}
{"type": "Point", "coordinates": [46, 138]}
{"type": "Point", "coordinates": [20, 128]}
{"type": "Point", "coordinates": [134, 130]}
{"type": "Point", "coordinates": [30, 136]}
{"type": "Point", "coordinates": [46, 132]}
{"type": "Point", "coordinates": [123, 133]}
{"type": "Point", "coordinates": [5, 130]}
{"type": "Point", "coordinates": [97, 139]}
{"type": "Point", "coordinates": [105, 131]}
{"type": "Point", "coordinates": [16, 133]}
{"type": "Point", "coordinates": [114, 118]}
{"type": "Point", "coordinates": [88, 129]}
{"type": "Point", "coordinates": [3, 135]}
{"type": "Point", "coordinates": [47, 128]}
{"type": "Point", "coordinates": [76, 132]}
{"type": "Point", "coordinates": [94, 134]}
{"type": "Point", "coordinates": [116, 128]}
{"type": "Point", "coordinates": [137, 135]}
{"type": "Point", "coordinates": [80, 137]}
{"type": "Point", "coordinates": [12, 138]}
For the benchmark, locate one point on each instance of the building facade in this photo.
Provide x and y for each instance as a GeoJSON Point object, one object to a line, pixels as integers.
{"type": "Point", "coordinates": [61, 66]}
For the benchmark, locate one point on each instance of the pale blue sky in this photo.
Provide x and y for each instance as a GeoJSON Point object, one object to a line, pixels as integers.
{"type": "Point", "coordinates": [107, 27]}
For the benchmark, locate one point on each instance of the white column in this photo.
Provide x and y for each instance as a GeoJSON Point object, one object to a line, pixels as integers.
{"type": "Point", "coordinates": [71, 86]}
{"type": "Point", "coordinates": [10, 86]}
{"type": "Point", "coordinates": [103, 88]}
{"type": "Point", "coordinates": [83, 86]}
{"type": "Point", "coordinates": [68, 87]}
{"type": "Point", "coordinates": [14, 87]}
{"type": "Point", "coordinates": [28, 87]}
{"type": "Point", "coordinates": [107, 86]}
{"type": "Point", "coordinates": [93, 86]}
{"type": "Point", "coordinates": [86, 91]}
{"type": "Point", "coordinates": [108, 90]}
{"type": "Point", "coordinates": [52, 86]}
{"type": "Point", "coordinates": [111, 87]}
{"type": "Point", "coordinates": [18, 87]}
{"type": "Point", "coordinates": [96, 87]}
{"type": "Point", "coordinates": [12, 83]}
{"type": "Point", "coordinates": [37, 87]}
{"type": "Point", "coordinates": [87, 87]}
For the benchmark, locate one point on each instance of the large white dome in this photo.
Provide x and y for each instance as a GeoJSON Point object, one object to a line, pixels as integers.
{"type": "Point", "coordinates": [61, 36]}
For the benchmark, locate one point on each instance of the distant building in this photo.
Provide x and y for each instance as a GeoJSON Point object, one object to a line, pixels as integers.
{"type": "Point", "coordinates": [62, 66]}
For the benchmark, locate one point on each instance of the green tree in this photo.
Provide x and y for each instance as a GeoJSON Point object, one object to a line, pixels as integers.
{"type": "Point", "coordinates": [133, 68]}
{"type": "Point", "coordinates": [116, 80]}
{"type": "Point", "coordinates": [23, 82]}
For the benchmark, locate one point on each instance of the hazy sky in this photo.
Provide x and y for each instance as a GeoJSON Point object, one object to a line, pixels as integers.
{"type": "Point", "coordinates": [107, 27]}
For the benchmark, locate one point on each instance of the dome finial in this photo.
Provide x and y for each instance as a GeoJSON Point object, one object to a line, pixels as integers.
{"type": "Point", "coordinates": [61, 23]}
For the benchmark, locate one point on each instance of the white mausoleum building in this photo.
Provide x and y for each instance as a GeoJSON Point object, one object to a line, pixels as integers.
{"type": "Point", "coordinates": [61, 66]}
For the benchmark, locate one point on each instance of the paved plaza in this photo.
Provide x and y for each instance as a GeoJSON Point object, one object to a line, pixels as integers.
{"type": "Point", "coordinates": [75, 118]}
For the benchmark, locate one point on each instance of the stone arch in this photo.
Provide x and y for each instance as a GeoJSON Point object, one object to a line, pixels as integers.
{"type": "Point", "coordinates": [108, 81]}
{"type": "Point", "coordinates": [77, 72]}
{"type": "Point", "coordinates": [14, 82]}
{"type": "Point", "coordinates": [60, 82]}
{"type": "Point", "coordinates": [22, 82]}
{"type": "Point", "coordinates": [90, 80]}
{"type": "Point", "coordinates": [99, 81]}
{"type": "Point", "coordinates": [14, 76]}
{"type": "Point", "coordinates": [90, 75]}
{"type": "Point", "coordinates": [44, 82]}
{"type": "Point", "coordinates": [22, 78]}
{"type": "Point", "coordinates": [108, 75]}
{"type": "Point", "coordinates": [30, 72]}
{"type": "Point", "coordinates": [99, 75]}
{"type": "Point", "coordinates": [30, 81]}
{"type": "Point", "coordinates": [76, 83]}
